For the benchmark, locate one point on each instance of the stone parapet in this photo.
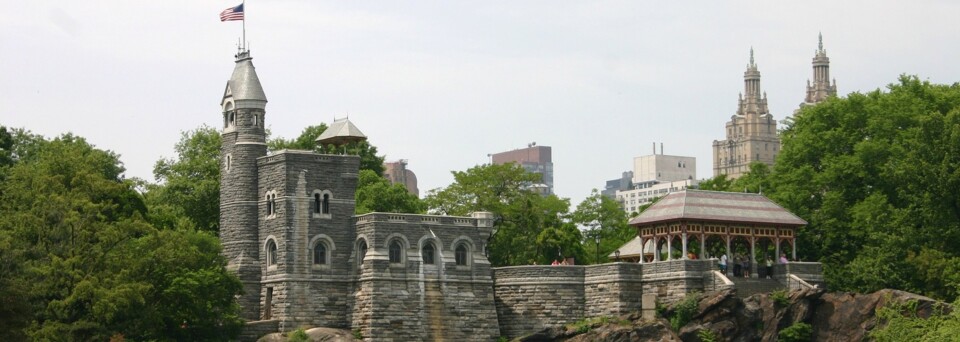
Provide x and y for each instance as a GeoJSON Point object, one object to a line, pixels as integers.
{"type": "Point", "coordinates": [530, 298]}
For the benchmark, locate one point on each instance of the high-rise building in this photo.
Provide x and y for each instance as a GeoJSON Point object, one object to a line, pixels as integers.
{"type": "Point", "coordinates": [751, 132]}
{"type": "Point", "coordinates": [625, 182]}
{"type": "Point", "coordinates": [657, 175]}
{"type": "Point", "coordinates": [397, 173]}
{"type": "Point", "coordinates": [821, 88]}
{"type": "Point", "coordinates": [533, 158]}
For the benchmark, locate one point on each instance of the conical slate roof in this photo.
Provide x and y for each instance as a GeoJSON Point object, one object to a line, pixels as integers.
{"type": "Point", "coordinates": [340, 132]}
{"type": "Point", "coordinates": [717, 206]}
{"type": "Point", "coordinates": [244, 86]}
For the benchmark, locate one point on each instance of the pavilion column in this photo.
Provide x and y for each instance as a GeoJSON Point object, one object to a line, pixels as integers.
{"type": "Point", "coordinates": [656, 248]}
{"type": "Point", "coordinates": [729, 258]}
{"type": "Point", "coordinates": [703, 246]}
{"type": "Point", "coordinates": [669, 247]}
{"type": "Point", "coordinates": [643, 248]}
{"type": "Point", "coordinates": [753, 257]}
{"type": "Point", "coordinates": [684, 242]}
{"type": "Point", "coordinates": [777, 257]}
{"type": "Point", "coordinates": [793, 243]}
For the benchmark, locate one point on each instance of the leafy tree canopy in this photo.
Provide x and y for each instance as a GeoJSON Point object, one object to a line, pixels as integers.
{"type": "Point", "coordinates": [80, 263]}
{"type": "Point", "coordinates": [189, 190]}
{"type": "Point", "coordinates": [376, 194]}
{"type": "Point", "coordinates": [877, 175]}
{"type": "Point", "coordinates": [603, 217]}
{"type": "Point", "coordinates": [529, 228]}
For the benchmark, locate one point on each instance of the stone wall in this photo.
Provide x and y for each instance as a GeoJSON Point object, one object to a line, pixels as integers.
{"type": "Point", "coordinates": [672, 280]}
{"type": "Point", "coordinates": [810, 272]}
{"type": "Point", "coordinates": [253, 330]}
{"type": "Point", "coordinates": [531, 298]}
{"type": "Point", "coordinates": [612, 289]}
{"type": "Point", "coordinates": [414, 300]}
{"type": "Point", "coordinates": [299, 291]}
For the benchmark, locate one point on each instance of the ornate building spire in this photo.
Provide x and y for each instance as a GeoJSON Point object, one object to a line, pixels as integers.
{"type": "Point", "coordinates": [753, 102]}
{"type": "Point", "coordinates": [820, 89]}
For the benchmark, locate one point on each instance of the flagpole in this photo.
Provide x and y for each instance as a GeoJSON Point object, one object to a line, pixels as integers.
{"type": "Point", "coordinates": [243, 5]}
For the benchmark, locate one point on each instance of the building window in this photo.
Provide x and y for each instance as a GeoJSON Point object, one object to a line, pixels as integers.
{"type": "Point", "coordinates": [325, 205]}
{"type": "Point", "coordinates": [461, 255]}
{"type": "Point", "coordinates": [271, 204]}
{"type": "Point", "coordinates": [320, 253]}
{"type": "Point", "coordinates": [395, 250]}
{"type": "Point", "coordinates": [229, 162]}
{"type": "Point", "coordinates": [316, 203]}
{"type": "Point", "coordinates": [232, 118]}
{"type": "Point", "coordinates": [361, 251]}
{"type": "Point", "coordinates": [256, 119]}
{"type": "Point", "coordinates": [271, 253]}
{"type": "Point", "coordinates": [428, 253]}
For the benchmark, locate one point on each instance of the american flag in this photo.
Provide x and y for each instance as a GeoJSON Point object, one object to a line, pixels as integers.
{"type": "Point", "coordinates": [232, 13]}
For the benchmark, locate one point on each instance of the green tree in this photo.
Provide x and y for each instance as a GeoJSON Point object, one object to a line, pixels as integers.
{"type": "Point", "coordinates": [528, 227]}
{"type": "Point", "coordinates": [720, 182]}
{"type": "Point", "coordinates": [75, 230]}
{"type": "Point", "coordinates": [376, 194]}
{"type": "Point", "coordinates": [602, 216]}
{"type": "Point", "coordinates": [188, 192]}
{"type": "Point", "coordinates": [876, 176]}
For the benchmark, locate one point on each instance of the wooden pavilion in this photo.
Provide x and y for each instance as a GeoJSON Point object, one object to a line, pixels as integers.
{"type": "Point", "coordinates": [710, 215]}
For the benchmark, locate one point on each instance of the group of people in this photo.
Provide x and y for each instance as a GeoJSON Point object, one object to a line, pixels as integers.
{"type": "Point", "coordinates": [742, 265]}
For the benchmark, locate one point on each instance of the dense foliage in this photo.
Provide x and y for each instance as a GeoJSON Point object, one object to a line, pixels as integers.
{"type": "Point", "coordinates": [531, 228]}
{"type": "Point", "coordinates": [80, 262]}
{"type": "Point", "coordinates": [900, 322]}
{"type": "Point", "coordinates": [877, 176]}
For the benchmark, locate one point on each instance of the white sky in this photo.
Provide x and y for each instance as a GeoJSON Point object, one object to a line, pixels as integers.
{"type": "Point", "coordinates": [444, 83]}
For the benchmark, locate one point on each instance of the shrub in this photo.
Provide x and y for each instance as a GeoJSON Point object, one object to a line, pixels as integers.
{"type": "Point", "coordinates": [780, 298]}
{"type": "Point", "coordinates": [298, 335]}
{"type": "Point", "coordinates": [707, 335]}
{"type": "Point", "coordinates": [684, 311]}
{"type": "Point", "coordinates": [359, 335]}
{"type": "Point", "coordinates": [798, 332]}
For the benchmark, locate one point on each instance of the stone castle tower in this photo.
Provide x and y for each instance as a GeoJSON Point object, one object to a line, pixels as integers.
{"type": "Point", "coordinates": [751, 132]}
{"type": "Point", "coordinates": [288, 230]}
{"type": "Point", "coordinates": [244, 141]}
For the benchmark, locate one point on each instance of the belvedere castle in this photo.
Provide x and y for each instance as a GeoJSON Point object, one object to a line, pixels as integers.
{"type": "Point", "coordinates": [289, 232]}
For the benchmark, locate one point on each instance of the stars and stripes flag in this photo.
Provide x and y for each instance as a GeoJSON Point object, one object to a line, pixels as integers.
{"type": "Point", "coordinates": [232, 13]}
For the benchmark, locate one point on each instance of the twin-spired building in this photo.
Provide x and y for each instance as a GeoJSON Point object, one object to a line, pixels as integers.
{"type": "Point", "coordinates": [751, 133]}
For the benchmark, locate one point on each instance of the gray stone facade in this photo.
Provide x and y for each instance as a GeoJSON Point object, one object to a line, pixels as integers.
{"type": "Point", "coordinates": [288, 230]}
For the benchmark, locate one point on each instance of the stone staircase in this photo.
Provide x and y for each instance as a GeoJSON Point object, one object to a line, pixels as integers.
{"type": "Point", "coordinates": [747, 287]}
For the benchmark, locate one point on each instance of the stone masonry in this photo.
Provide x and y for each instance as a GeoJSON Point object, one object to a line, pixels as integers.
{"type": "Point", "coordinates": [289, 232]}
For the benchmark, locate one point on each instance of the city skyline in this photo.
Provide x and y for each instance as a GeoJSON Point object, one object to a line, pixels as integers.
{"type": "Point", "coordinates": [437, 83]}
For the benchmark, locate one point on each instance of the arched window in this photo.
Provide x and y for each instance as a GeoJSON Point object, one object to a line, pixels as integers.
{"type": "Point", "coordinates": [461, 254]}
{"type": "Point", "coordinates": [427, 253]}
{"type": "Point", "coordinates": [320, 253]}
{"type": "Point", "coordinates": [325, 205]}
{"type": "Point", "coordinates": [271, 253]}
{"type": "Point", "coordinates": [395, 250]}
{"type": "Point", "coordinates": [229, 162]}
{"type": "Point", "coordinates": [271, 204]}
{"type": "Point", "coordinates": [361, 251]}
{"type": "Point", "coordinates": [316, 203]}
{"type": "Point", "coordinates": [256, 119]}
{"type": "Point", "coordinates": [232, 118]}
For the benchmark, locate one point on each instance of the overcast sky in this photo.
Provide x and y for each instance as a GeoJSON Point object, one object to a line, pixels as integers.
{"type": "Point", "coordinates": [444, 83]}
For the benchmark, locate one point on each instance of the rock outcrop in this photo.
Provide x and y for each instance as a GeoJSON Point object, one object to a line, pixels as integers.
{"type": "Point", "coordinates": [834, 317]}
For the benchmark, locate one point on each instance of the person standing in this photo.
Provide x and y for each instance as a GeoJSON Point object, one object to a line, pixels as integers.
{"type": "Point", "coordinates": [747, 264]}
{"type": "Point", "coordinates": [723, 264]}
{"type": "Point", "coordinates": [737, 266]}
{"type": "Point", "coordinates": [769, 267]}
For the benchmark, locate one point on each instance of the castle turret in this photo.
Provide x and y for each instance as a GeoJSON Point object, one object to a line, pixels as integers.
{"type": "Point", "coordinates": [821, 88]}
{"type": "Point", "coordinates": [243, 141]}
